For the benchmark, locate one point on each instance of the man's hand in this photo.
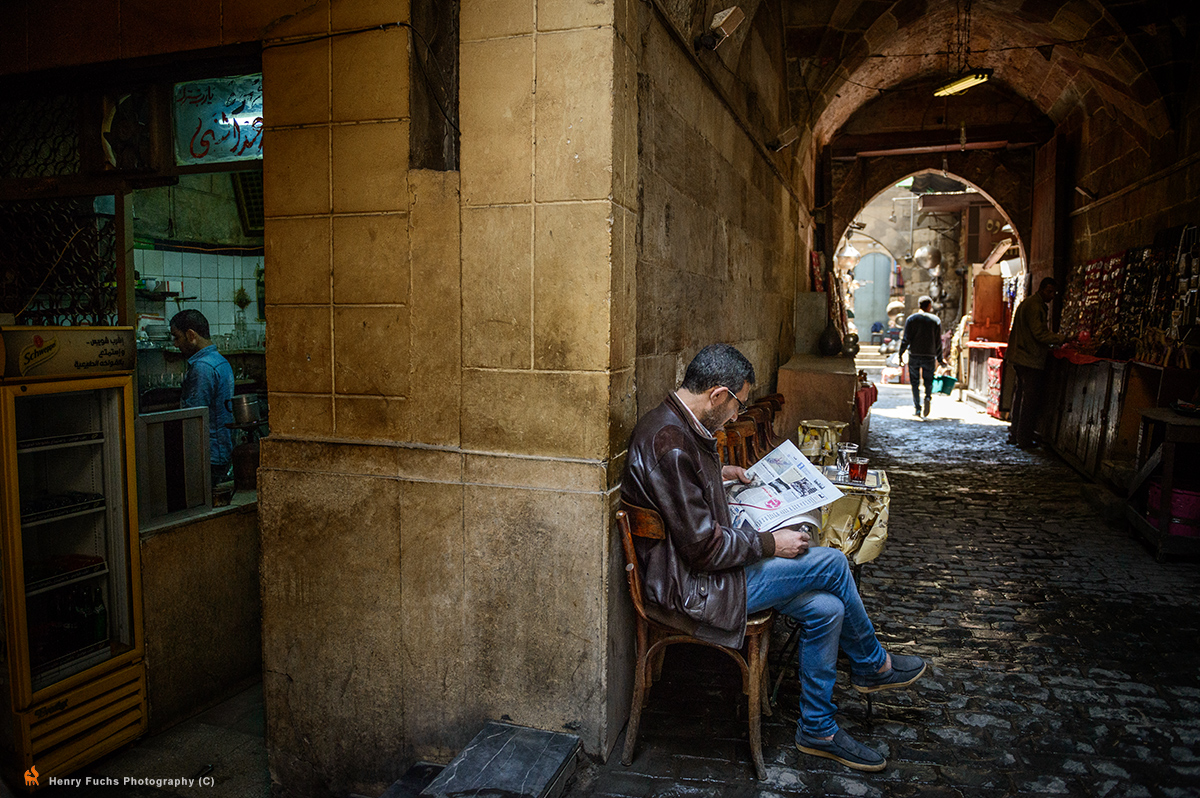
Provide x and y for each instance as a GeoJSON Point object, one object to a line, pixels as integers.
{"type": "Point", "coordinates": [790, 542]}
{"type": "Point", "coordinates": [735, 472]}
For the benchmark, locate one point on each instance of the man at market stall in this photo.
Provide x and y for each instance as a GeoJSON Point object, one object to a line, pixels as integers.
{"type": "Point", "coordinates": [1029, 344]}
{"type": "Point", "coordinates": [705, 576]}
{"type": "Point", "coordinates": [923, 340]}
{"type": "Point", "coordinates": [207, 383]}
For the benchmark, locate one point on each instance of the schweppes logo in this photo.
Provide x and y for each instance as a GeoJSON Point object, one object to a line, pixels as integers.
{"type": "Point", "coordinates": [37, 353]}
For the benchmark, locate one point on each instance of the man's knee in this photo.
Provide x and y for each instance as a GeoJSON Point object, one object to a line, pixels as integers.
{"type": "Point", "coordinates": [830, 557]}
{"type": "Point", "coordinates": [826, 607]}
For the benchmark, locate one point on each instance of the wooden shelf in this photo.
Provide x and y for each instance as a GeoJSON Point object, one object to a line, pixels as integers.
{"type": "Point", "coordinates": [1174, 429]}
{"type": "Point", "coordinates": [1161, 542]}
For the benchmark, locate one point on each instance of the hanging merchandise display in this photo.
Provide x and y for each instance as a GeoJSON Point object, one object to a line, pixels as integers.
{"type": "Point", "coordinates": [1137, 305]}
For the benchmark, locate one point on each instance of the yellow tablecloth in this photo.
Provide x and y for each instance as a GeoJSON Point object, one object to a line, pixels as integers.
{"type": "Point", "coordinates": [856, 524]}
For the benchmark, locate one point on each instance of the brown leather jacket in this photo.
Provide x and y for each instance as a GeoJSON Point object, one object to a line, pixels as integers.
{"type": "Point", "coordinates": [694, 578]}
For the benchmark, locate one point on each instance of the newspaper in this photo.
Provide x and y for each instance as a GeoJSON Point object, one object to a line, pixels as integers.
{"type": "Point", "coordinates": [784, 489]}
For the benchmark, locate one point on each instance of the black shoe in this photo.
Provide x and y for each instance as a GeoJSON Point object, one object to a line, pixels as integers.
{"type": "Point", "coordinates": [927, 401]}
{"type": "Point", "coordinates": [905, 670]}
{"type": "Point", "coordinates": [842, 748]}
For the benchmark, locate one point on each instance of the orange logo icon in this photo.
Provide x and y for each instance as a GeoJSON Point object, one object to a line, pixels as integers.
{"type": "Point", "coordinates": [31, 777]}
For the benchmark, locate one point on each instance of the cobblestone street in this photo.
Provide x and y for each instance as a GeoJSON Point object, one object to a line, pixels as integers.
{"type": "Point", "coordinates": [1064, 659]}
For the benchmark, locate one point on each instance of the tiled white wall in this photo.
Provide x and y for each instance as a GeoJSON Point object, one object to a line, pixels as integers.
{"type": "Point", "coordinates": [209, 285]}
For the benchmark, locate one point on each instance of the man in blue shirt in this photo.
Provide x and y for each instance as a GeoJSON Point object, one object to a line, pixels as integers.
{"type": "Point", "coordinates": [208, 383]}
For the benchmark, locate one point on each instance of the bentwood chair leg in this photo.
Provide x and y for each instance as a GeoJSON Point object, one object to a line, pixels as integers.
{"type": "Point", "coordinates": [755, 704]}
{"type": "Point", "coordinates": [764, 674]}
{"type": "Point", "coordinates": [639, 697]}
{"type": "Point", "coordinates": [657, 664]}
{"type": "Point", "coordinates": [785, 659]}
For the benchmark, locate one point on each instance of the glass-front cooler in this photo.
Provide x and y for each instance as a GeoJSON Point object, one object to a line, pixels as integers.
{"type": "Point", "coordinates": [70, 452]}
{"type": "Point", "coordinates": [72, 623]}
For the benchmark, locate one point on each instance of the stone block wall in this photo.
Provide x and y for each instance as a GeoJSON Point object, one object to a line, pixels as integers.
{"type": "Point", "coordinates": [1140, 191]}
{"type": "Point", "coordinates": [451, 363]}
{"type": "Point", "coordinates": [720, 245]}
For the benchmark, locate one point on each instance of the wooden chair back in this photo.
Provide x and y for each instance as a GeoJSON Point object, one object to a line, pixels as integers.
{"type": "Point", "coordinates": [637, 522]}
{"type": "Point", "coordinates": [764, 436]}
{"type": "Point", "coordinates": [774, 400]}
{"type": "Point", "coordinates": [729, 442]}
{"type": "Point", "coordinates": [747, 451]}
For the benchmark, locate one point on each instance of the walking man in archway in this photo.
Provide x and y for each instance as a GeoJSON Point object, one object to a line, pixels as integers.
{"type": "Point", "coordinates": [923, 340]}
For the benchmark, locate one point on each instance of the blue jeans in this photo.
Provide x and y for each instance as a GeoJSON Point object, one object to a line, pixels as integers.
{"type": "Point", "coordinates": [920, 369]}
{"type": "Point", "coordinates": [817, 590]}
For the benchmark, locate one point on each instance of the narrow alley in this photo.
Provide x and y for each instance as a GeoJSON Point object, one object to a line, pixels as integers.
{"type": "Point", "coordinates": [1062, 655]}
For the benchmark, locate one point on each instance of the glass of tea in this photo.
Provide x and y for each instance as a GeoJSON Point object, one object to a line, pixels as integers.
{"type": "Point", "coordinates": [844, 452]}
{"type": "Point", "coordinates": [858, 469]}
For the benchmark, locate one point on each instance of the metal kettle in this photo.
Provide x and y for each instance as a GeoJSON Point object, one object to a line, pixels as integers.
{"type": "Point", "coordinates": [244, 408]}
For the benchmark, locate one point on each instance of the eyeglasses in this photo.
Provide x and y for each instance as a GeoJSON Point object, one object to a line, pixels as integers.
{"type": "Point", "coordinates": [742, 406]}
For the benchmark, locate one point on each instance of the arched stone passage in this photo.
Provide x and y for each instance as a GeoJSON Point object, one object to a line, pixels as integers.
{"type": "Point", "coordinates": [1067, 57]}
{"type": "Point", "coordinates": [1005, 178]}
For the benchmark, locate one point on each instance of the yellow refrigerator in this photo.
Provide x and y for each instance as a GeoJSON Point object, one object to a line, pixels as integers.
{"type": "Point", "coordinates": [74, 679]}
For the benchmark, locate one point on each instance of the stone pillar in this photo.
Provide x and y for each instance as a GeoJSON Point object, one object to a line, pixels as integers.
{"type": "Point", "coordinates": [549, 158]}
{"type": "Point", "coordinates": [450, 369]}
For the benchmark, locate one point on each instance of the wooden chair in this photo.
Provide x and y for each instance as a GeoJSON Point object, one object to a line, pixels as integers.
{"type": "Point", "coordinates": [653, 638]}
{"type": "Point", "coordinates": [729, 446]}
{"type": "Point", "coordinates": [765, 437]}
{"type": "Point", "coordinates": [773, 400]}
{"type": "Point", "coordinates": [748, 451]}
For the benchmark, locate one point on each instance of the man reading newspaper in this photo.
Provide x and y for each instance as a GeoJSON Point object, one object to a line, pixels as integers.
{"type": "Point", "coordinates": [707, 574]}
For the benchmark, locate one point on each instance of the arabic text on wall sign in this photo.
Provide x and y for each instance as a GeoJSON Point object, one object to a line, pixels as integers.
{"type": "Point", "coordinates": [218, 120]}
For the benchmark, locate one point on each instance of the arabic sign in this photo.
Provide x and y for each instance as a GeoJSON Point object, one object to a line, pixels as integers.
{"type": "Point", "coordinates": [218, 120]}
{"type": "Point", "coordinates": [31, 352]}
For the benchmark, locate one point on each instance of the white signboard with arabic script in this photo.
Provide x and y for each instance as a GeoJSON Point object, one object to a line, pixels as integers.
{"type": "Point", "coordinates": [34, 352]}
{"type": "Point", "coordinates": [218, 120]}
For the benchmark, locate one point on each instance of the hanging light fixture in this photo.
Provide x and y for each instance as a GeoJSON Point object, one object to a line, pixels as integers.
{"type": "Point", "coordinates": [960, 48]}
{"type": "Point", "coordinates": [961, 84]}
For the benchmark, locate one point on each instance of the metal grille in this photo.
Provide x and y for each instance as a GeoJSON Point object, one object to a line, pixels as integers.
{"type": "Point", "coordinates": [58, 262]}
{"type": "Point", "coordinates": [248, 188]}
{"type": "Point", "coordinates": [129, 132]}
{"type": "Point", "coordinates": [39, 137]}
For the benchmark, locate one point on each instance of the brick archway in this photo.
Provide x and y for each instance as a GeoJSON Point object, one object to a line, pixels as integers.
{"type": "Point", "coordinates": [1005, 179]}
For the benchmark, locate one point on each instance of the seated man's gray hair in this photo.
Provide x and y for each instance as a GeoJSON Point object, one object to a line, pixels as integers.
{"type": "Point", "coordinates": [718, 364]}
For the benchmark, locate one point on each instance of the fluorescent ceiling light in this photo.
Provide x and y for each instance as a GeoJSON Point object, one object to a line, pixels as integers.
{"type": "Point", "coordinates": [961, 84]}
